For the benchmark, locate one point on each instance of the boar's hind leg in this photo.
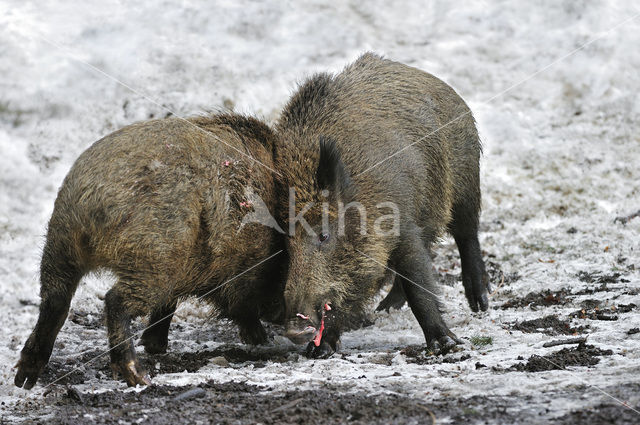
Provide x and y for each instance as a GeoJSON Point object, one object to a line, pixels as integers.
{"type": "Point", "coordinates": [125, 301]}
{"type": "Point", "coordinates": [464, 229]}
{"type": "Point", "coordinates": [156, 337]}
{"type": "Point", "coordinates": [414, 272]}
{"type": "Point", "coordinates": [59, 279]}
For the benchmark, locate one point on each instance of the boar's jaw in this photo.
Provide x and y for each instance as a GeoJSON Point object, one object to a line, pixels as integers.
{"type": "Point", "coordinates": [300, 334]}
{"type": "Point", "coordinates": [302, 324]}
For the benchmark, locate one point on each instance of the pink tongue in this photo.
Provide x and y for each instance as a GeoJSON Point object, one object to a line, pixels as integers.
{"type": "Point", "coordinates": [318, 337]}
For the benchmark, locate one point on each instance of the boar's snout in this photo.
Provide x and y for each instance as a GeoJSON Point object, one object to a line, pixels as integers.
{"type": "Point", "coordinates": [301, 336]}
{"type": "Point", "coordinates": [302, 328]}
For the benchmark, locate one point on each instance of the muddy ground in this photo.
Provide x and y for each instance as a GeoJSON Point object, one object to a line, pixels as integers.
{"type": "Point", "coordinates": [236, 403]}
{"type": "Point", "coordinates": [66, 399]}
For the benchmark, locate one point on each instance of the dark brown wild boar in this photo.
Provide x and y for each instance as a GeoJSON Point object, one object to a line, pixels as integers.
{"type": "Point", "coordinates": [161, 204]}
{"type": "Point", "coordinates": [383, 158]}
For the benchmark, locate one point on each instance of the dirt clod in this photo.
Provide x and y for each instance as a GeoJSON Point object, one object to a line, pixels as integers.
{"type": "Point", "coordinates": [625, 308]}
{"type": "Point", "coordinates": [539, 299]}
{"type": "Point", "coordinates": [419, 355]}
{"type": "Point", "coordinates": [549, 325]}
{"type": "Point", "coordinates": [582, 355]}
{"type": "Point", "coordinates": [597, 277]}
{"type": "Point", "coordinates": [594, 314]}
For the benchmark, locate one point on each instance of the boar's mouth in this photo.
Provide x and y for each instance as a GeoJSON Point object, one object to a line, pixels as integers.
{"type": "Point", "coordinates": [303, 328]}
{"type": "Point", "coordinates": [301, 336]}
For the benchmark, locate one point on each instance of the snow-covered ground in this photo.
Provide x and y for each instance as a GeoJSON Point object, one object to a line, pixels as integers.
{"type": "Point", "coordinates": [553, 85]}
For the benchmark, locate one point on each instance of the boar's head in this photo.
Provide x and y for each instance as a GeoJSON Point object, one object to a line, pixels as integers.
{"type": "Point", "coordinates": [326, 237]}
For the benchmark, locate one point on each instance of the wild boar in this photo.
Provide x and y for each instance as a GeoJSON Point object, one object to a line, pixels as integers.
{"type": "Point", "coordinates": [376, 162]}
{"type": "Point", "coordinates": [161, 205]}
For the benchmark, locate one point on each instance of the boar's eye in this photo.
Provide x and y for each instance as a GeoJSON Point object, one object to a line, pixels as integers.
{"type": "Point", "coordinates": [322, 237]}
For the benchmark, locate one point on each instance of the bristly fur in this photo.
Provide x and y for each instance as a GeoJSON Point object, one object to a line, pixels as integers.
{"type": "Point", "coordinates": [160, 204]}
{"type": "Point", "coordinates": [399, 135]}
{"type": "Point", "coordinates": [310, 97]}
{"type": "Point", "coordinates": [248, 129]}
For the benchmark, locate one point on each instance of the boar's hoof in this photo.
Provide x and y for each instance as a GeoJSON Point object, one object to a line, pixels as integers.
{"type": "Point", "coordinates": [443, 344]}
{"type": "Point", "coordinates": [322, 351]}
{"type": "Point", "coordinates": [478, 300]}
{"type": "Point", "coordinates": [483, 302]}
{"type": "Point", "coordinates": [477, 294]}
{"type": "Point", "coordinates": [132, 373]}
{"type": "Point", "coordinates": [29, 369]}
{"type": "Point", "coordinates": [484, 298]}
{"type": "Point", "coordinates": [254, 335]}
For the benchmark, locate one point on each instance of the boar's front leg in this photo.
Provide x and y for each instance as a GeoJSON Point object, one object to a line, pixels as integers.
{"type": "Point", "coordinates": [464, 228]}
{"type": "Point", "coordinates": [474, 276]}
{"type": "Point", "coordinates": [123, 302]}
{"type": "Point", "coordinates": [251, 330]}
{"type": "Point", "coordinates": [414, 272]}
{"type": "Point", "coordinates": [156, 337]}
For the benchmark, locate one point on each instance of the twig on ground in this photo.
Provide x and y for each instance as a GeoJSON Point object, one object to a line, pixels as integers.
{"type": "Point", "coordinates": [625, 219]}
{"type": "Point", "coordinates": [288, 405]}
{"type": "Point", "coordinates": [492, 293]}
{"type": "Point", "coordinates": [606, 317]}
{"type": "Point", "coordinates": [433, 416]}
{"type": "Point", "coordinates": [196, 392]}
{"type": "Point", "coordinates": [579, 340]}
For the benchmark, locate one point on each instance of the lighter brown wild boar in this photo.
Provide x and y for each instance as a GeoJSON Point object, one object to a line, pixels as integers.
{"type": "Point", "coordinates": [402, 146]}
{"type": "Point", "coordinates": [161, 204]}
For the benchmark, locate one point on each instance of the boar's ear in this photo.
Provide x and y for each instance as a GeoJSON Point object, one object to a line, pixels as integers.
{"type": "Point", "coordinates": [332, 174]}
